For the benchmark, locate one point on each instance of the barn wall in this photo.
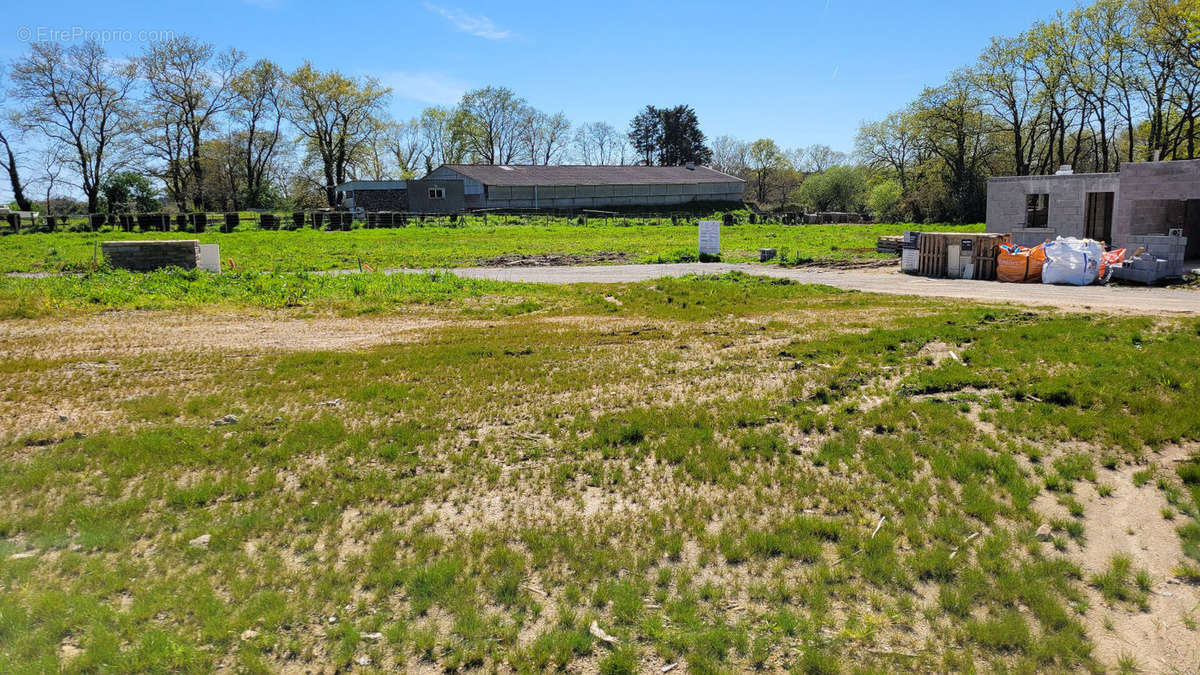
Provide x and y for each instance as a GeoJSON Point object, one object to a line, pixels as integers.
{"type": "Point", "coordinates": [419, 201]}
{"type": "Point", "coordinates": [599, 196]}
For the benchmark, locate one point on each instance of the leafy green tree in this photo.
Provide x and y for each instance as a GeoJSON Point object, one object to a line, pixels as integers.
{"type": "Point", "coordinates": [840, 188]}
{"type": "Point", "coordinates": [891, 145]}
{"type": "Point", "coordinates": [765, 159]}
{"type": "Point", "coordinates": [129, 191]}
{"type": "Point", "coordinates": [645, 130]}
{"type": "Point", "coordinates": [885, 202]}
{"type": "Point", "coordinates": [956, 130]}
{"type": "Point", "coordinates": [259, 94]}
{"type": "Point", "coordinates": [670, 136]}
{"type": "Point", "coordinates": [336, 116]}
{"type": "Point", "coordinates": [490, 119]}
{"type": "Point", "coordinates": [443, 137]}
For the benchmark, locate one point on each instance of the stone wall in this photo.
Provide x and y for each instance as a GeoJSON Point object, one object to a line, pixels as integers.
{"type": "Point", "coordinates": [381, 200]}
{"type": "Point", "coordinates": [143, 256]}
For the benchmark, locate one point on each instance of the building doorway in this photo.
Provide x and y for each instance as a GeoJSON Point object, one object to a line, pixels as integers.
{"type": "Point", "coordinates": [1098, 222]}
{"type": "Point", "coordinates": [1191, 228]}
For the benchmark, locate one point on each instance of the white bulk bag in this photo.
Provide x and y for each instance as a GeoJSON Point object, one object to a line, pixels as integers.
{"type": "Point", "coordinates": [1072, 261]}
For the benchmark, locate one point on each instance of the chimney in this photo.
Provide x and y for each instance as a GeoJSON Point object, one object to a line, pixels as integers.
{"type": "Point", "coordinates": [691, 166]}
{"type": "Point", "coordinates": [1064, 170]}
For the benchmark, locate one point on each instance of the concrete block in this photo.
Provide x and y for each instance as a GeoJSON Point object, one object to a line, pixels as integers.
{"type": "Point", "coordinates": [143, 256]}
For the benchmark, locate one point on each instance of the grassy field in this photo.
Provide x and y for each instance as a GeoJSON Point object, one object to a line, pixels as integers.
{"type": "Point", "coordinates": [726, 473]}
{"type": "Point", "coordinates": [424, 247]}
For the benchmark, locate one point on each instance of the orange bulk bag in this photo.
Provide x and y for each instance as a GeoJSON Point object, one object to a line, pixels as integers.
{"type": "Point", "coordinates": [1020, 265]}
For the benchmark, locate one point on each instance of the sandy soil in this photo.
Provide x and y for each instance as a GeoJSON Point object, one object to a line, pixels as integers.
{"type": "Point", "coordinates": [1130, 522]}
{"type": "Point", "coordinates": [130, 333]}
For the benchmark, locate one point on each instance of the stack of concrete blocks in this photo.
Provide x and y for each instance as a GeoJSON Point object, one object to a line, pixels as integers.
{"type": "Point", "coordinates": [1163, 258]}
{"type": "Point", "coordinates": [143, 256]}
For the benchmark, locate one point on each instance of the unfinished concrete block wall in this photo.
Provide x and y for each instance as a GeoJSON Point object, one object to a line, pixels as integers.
{"type": "Point", "coordinates": [1154, 198]}
{"type": "Point", "coordinates": [143, 256]}
{"type": "Point", "coordinates": [1006, 204]}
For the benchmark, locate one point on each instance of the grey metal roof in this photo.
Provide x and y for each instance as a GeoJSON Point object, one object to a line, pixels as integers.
{"type": "Point", "coordinates": [372, 185]}
{"type": "Point", "coordinates": [516, 175]}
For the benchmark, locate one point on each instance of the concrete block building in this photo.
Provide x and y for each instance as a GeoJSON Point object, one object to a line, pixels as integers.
{"type": "Point", "coordinates": [402, 196]}
{"type": "Point", "coordinates": [1145, 198]}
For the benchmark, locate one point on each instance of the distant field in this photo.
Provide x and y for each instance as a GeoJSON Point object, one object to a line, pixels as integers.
{"type": "Point", "coordinates": [424, 247]}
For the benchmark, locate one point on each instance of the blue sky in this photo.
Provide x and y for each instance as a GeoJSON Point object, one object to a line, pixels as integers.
{"type": "Point", "coordinates": [800, 72]}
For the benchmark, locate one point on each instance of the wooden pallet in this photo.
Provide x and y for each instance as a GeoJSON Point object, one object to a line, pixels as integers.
{"type": "Point", "coordinates": [934, 252]}
{"type": "Point", "coordinates": [931, 252]}
{"type": "Point", "coordinates": [889, 244]}
{"type": "Point", "coordinates": [985, 251]}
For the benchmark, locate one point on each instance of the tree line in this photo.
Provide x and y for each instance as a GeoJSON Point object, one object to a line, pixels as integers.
{"type": "Point", "coordinates": [1115, 81]}
{"type": "Point", "coordinates": [201, 129]}
{"type": "Point", "coordinates": [1110, 82]}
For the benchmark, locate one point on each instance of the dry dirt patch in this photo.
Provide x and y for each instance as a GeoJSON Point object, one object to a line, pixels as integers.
{"type": "Point", "coordinates": [117, 334]}
{"type": "Point", "coordinates": [1130, 522]}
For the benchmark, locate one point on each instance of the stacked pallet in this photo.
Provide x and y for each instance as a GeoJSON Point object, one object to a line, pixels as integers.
{"type": "Point", "coordinates": [889, 244]}
{"type": "Point", "coordinates": [959, 255]}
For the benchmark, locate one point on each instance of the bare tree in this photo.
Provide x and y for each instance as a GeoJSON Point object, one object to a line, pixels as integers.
{"type": "Point", "coordinates": [599, 143]}
{"type": "Point", "coordinates": [189, 85]}
{"type": "Point", "coordinates": [442, 137]}
{"type": "Point", "coordinates": [731, 156]}
{"type": "Point", "coordinates": [53, 164]}
{"type": "Point", "coordinates": [164, 139]}
{"type": "Point", "coordinates": [543, 137]}
{"type": "Point", "coordinates": [404, 143]}
{"type": "Point", "coordinates": [816, 158]}
{"type": "Point", "coordinates": [77, 97]}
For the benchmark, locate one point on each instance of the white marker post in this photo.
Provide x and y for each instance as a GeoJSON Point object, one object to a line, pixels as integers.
{"type": "Point", "coordinates": [710, 237]}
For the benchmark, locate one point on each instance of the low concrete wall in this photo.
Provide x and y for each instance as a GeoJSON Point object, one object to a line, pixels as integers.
{"type": "Point", "coordinates": [143, 256]}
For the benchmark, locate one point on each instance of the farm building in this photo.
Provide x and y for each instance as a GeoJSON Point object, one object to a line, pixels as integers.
{"type": "Point", "coordinates": [588, 187]}
{"type": "Point", "coordinates": [454, 188]}
{"type": "Point", "coordinates": [411, 196]}
{"type": "Point", "coordinates": [1143, 198]}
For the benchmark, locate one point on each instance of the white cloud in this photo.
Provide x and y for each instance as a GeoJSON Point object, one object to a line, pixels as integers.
{"type": "Point", "coordinates": [477, 25]}
{"type": "Point", "coordinates": [425, 87]}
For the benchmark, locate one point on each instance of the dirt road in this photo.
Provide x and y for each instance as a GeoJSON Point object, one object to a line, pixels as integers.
{"type": "Point", "coordinates": [1118, 299]}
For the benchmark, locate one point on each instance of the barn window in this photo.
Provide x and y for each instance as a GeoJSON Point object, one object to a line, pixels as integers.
{"type": "Point", "coordinates": [1037, 210]}
{"type": "Point", "coordinates": [437, 193]}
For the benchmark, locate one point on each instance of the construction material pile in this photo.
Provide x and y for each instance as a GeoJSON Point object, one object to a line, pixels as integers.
{"type": "Point", "coordinates": [951, 254]}
{"type": "Point", "coordinates": [1065, 260]}
{"type": "Point", "coordinates": [1157, 257]}
{"type": "Point", "coordinates": [889, 244]}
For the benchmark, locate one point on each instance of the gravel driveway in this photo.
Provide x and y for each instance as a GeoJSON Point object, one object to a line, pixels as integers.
{"type": "Point", "coordinates": [1115, 299]}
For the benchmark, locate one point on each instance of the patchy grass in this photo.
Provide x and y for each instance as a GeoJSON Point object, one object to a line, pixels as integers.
{"type": "Point", "coordinates": [722, 472]}
{"type": "Point", "coordinates": [178, 289]}
{"type": "Point", "coordinates": [643, 240]}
